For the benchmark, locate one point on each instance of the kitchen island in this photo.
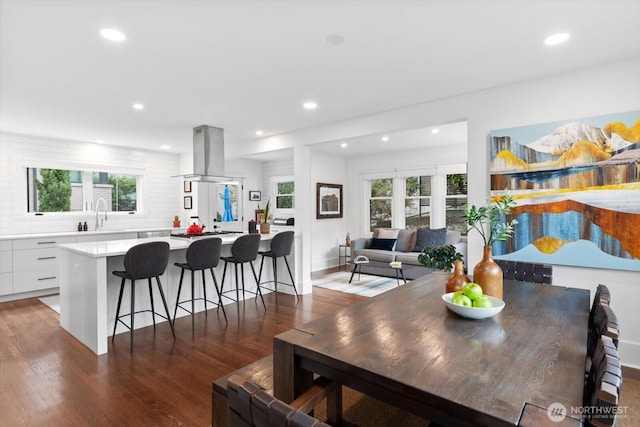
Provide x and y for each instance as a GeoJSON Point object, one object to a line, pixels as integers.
{"type": "Point", "coordinates": [89, 290]}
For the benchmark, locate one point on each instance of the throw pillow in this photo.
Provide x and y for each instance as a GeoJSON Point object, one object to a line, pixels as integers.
{"type": "Point", "coordinates": [384, 244]}
{"type": "Point", "coordinates": [429, 237]}
{"type": "Point", "coordinates": [385, 233]}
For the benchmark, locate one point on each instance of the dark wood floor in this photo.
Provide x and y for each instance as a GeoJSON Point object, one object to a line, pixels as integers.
{"type": "Point", "coordinates": [49, 378]}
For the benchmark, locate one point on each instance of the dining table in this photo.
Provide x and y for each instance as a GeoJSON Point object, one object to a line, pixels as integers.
{"type": "Point", "coordinates": [406, 348]}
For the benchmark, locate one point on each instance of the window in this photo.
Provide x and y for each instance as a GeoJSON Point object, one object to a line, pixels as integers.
{"type": "Point", "coordinates": [417, 204]}
{"type": "Point", "coordinates": [380, 203]}
{"type": "Point", "coordinates": [62, 190]}
{"type": "Point", "coordinates": [284, 195]}
{"type": "Point", "coordinates": [455, 201]}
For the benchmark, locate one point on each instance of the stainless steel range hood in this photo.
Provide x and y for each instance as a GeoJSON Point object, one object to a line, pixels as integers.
{"type": "Point", "coordinates": [208, 156]}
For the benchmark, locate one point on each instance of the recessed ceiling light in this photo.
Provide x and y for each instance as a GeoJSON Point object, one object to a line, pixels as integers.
{"type": "Point", "coordinates": [435, 131]}
{"type": "Point", "coordinates": [259, 132]}
{"type": "Point", "coordinates": [310, 105]}
{"type": "Point", "coordinates": [165, 147]}
{"type": "Point", "coordinates": [113, 35]}
{"type": "Point", "coordinates": [335, 39]}
{"type": "Point", "coordinates": [138, 106]}
{"type": "Point", "coordinates": [556, 39]}
{"type": "Point", "coordinates": [343, 145]}
{"type": "Point", "coordinates": [385, 138]}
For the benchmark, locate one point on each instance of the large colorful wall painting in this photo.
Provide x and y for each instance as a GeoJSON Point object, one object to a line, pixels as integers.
{"type": "Point", "coordinates": [577, 185]}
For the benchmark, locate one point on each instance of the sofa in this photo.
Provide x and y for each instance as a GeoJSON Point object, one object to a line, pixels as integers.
{"type": "Point", "coordinates": [382, 248]}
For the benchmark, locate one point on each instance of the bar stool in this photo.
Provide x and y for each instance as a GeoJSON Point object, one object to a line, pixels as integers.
{"type": "Point", "coordinates": [280, 248]}
{"type": "Point", "coordinates": [243, 250]}
{"type": "Point", "coordinates": [201, 255]}
{"type": "Point", "coordinates": [143, 261]}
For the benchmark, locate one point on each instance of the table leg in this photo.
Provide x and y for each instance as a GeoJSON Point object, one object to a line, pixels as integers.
{"type": "Point", "coordinates": [355, 267]}
{"type": "Point", "coordinates": [289, 379]}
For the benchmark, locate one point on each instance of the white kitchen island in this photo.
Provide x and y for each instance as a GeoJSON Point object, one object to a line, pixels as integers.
{"type": "Point", "coordinates": [89, 290]}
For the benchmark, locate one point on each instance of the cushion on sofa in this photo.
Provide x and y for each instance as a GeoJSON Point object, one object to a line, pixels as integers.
{"type": "Point", "coordinates": [452, 237]}
{"type": "Point", "coordinates": [429, 237]}
{"type": "Point", "coordinates": [406, 240]}
{"type": "Point", "coordinates": [385, 233]}
{"type": "Point", "coordinates": [383, 244]}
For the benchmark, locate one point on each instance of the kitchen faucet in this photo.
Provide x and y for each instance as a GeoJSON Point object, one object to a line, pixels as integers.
{"type": "Point", "coordinates": [104, 202]}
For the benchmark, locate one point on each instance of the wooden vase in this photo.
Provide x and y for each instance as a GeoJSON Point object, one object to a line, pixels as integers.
{"type": "Point", "coordinates": [458, 279]}
{"type": "Point", "coordinates": [488, 274]}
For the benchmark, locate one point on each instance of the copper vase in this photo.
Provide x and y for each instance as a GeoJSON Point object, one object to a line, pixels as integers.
{"type": "Point", "coordinates": [488, 274]}
{"type": "Point", "coordinates": [458, 279]}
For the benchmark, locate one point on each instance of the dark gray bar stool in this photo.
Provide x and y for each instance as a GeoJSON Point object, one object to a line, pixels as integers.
{"type": "Point", "coordinates": [143, 261]}
{"type": "Point", "coordinates": [201, 255]}
{"type": "Point", "coordinates": [243, 250]}
{"type": "Point", "coordinates": [280, 248]}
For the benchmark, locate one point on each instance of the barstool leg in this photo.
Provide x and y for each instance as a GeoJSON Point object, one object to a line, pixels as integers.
{"type": "Point", "coordinates": [153, 309]}
{"type": "Point", "coordinates": [115, 324]}
{"type": "Point", "coordinates": [193, 304]}
{"type": "Point", "coordinates": [133, 305]}
{"type": "Point", "coordinates": [257, 284]}
{"type": "Point", "coordinates": [178, 298]}
{"type": "Point", "coordinates": [260, 274]}
{"type": "Point", "coordinates": [166, 308]}
{"type": "Point", "coordinates": [219, 292]}
{"type": "Point", "coordinates": [293, 282]}
{"type": "Point", "coordinates": [274, 265]}
{"type": "Point", "coordinates": [224, 273]}
{"type": "Point", "coordinates": [235, 265]}
{"type": "Point", "coordinates": [204, 292]}
{"type": "Point", "coordinates": [242, 272]}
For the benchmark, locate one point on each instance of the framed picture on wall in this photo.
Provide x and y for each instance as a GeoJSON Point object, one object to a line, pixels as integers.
{"type": "Point", "coordinates": [259, 216]}
{"type": "Point", "coordinates": [255, 196]}
{"type": "Point", "coordinates": [187, 202]}
{"type": "Point", "coordinates": [187, 186]}
{"type": "Point", "coordinates": [328, 200]}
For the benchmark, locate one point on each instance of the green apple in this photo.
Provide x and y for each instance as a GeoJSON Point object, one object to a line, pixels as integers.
{"type": "Point", "coordinates": [461, 299]}
{"type": "Point", "coordinates": [482, 302]}
{"type": "Point", "coordinates": [472, 290]}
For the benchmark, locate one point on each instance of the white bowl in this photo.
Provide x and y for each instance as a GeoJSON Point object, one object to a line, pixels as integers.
{"type": "Point", "coordinates": [474, 312]}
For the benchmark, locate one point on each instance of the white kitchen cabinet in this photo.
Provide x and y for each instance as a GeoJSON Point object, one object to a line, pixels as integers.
{"type": "Point", "coordinates": [35, 263]}
{"type": "Point", "coordinates": [6, 267]}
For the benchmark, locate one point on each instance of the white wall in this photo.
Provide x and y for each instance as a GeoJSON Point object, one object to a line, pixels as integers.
{"type": "Point", "coordinates": [600, 90]}
{"type": "Point", "coordinates": [161, 194]}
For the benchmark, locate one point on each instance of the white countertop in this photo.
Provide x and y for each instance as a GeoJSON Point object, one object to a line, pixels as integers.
{"type": "Point", "coordinates": [120, 247]}
{"type": "Point", "coordinates": [86, 233]}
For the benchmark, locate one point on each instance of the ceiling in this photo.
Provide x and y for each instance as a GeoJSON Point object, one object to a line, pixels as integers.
{"type": "Point", "coordinates": [249, 65]}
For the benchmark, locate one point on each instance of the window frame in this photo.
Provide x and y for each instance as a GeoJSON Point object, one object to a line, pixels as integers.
{"type": "Point", "coordinates": [274, 191]}
{"type": "Point", "coordinates": [86, 170]}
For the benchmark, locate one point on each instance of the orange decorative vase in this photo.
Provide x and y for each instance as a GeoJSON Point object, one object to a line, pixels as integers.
{"type": "Point", "coordinates": [488, 274]}
{"type": "Point", "coordinates": [458, 279]}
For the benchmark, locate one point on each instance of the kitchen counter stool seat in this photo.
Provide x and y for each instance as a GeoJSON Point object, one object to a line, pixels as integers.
{"type": "Point", "coordinates": [201, 255]}
{"type": "Point", "coordinates": [143, 261]}
{"type": "Point", "coordinates": [243, 250]}
{"type": "Point", "coordinates": [280, 248]}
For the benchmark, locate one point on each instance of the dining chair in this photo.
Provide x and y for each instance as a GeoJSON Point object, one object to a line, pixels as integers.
{"type": "Point", "coordinates": [250, 405]}
{"type": "Point", "coordinates": [526, 271]}
{"type": "Point", "coordinates": [602, 388]}
{"type": "Point", "coordinates": [601, 297]}
{"type": "Point", "coordinates": [243, 250]}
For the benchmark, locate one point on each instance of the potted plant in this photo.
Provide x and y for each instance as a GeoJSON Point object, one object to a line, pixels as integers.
{"type": "Point", "coordinates": [439, 257]}
{"type": "Point", "coordinates": [265, 227]}
{"type": "Point", "coordinates": [491, 222]}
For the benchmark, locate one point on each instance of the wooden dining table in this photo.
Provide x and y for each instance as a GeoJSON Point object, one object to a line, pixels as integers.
{"type": "Point", "coordinates": [404, 347]}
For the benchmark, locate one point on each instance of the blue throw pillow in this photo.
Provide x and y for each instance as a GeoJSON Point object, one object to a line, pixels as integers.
{"type": "Point", "coordinates": [429, 237]}
{"type": "Point", "coordinates": [384, 244]}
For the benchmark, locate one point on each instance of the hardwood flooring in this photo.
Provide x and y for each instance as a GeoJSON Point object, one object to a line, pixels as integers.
{"type": "Point", "coordinates": [48, 378]}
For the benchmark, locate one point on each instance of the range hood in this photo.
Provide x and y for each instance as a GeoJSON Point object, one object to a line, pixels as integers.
{"type": "Point", "coordinates": [208, 156]}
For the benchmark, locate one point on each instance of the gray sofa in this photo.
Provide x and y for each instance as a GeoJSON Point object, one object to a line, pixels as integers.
{"type": "Point", "coordinates": [402, 251]}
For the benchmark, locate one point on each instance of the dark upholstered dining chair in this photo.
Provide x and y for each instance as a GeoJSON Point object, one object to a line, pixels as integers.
{"type": "Point", "coordinates": [143, 261]}
{"type": "Point", "coordinates": [280, 248]}
{"type": "Point", "coordinates": [243, 250]}
{"type": "Point", "coordinates": [526, 271]}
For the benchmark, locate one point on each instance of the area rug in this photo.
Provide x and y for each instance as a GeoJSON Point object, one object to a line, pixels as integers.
{"type": "Point", "coordinates": [51, 301]}
{"type": "Point", "coordinates": [366, 285]}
